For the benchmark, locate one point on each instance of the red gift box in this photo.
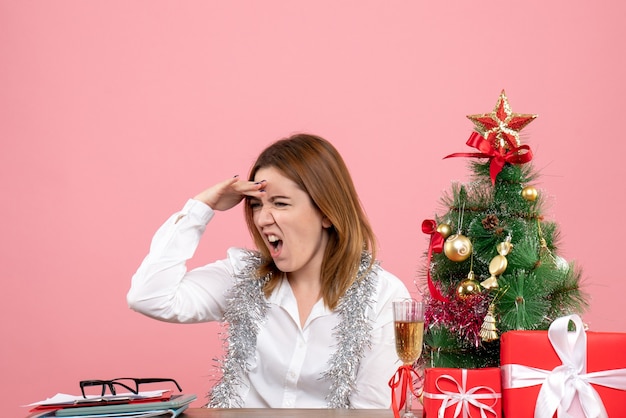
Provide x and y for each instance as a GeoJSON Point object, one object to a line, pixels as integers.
{"type": "Point", "coordinates": [462, 392]}
{"type": "Point", "coordinates": [561, 370]}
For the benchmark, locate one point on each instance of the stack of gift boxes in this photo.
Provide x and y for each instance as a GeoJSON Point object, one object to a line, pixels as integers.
{"type": "Point", "coordinates": [563, 372]}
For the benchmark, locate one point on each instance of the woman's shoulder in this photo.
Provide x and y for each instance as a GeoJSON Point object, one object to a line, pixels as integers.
{"type": "Point", "coordinates": [389, 284]}
{"type": "Point", "coordinates": [237, 253]}
{"type": "Point", "coordinates": [242, 259]}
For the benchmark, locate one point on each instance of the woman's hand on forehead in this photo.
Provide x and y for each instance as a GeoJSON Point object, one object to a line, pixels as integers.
{"type": "Point", "coordinates": [228, 193]}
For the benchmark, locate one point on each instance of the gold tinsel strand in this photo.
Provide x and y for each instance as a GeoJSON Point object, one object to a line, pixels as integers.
{"type": "Point", "coordinates": [488, 331]}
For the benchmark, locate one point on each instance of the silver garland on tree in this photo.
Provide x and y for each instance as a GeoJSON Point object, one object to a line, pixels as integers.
{"type": "Point", "coordinates": [247, 309]}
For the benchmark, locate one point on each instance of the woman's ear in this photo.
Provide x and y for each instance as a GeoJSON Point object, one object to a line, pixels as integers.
{"type": "Point", "coordinates": [326, 223]}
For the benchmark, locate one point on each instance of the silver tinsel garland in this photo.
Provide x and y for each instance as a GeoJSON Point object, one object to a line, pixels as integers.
{"type": "Point", "coordinates": [353, 334]}
{"type": "Point", "coordinates": [246, 311]}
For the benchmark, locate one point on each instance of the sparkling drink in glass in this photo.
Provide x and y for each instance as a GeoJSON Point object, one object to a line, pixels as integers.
{"type": "Point", "coordinates": [408, 317]}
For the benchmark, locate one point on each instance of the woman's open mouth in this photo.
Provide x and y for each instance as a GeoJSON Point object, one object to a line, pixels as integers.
{"type": "Point", "coordinates": [275, 244]}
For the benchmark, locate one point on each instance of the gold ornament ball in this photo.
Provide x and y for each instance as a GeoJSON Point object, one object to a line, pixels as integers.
{"type": "Point", "coordinates": [457, 247]}
{"type": "Point", "coordinates": [444, 230]}
{"type": "Point", "coordinates": [468, 287]}
{"type": "Point", "coordinates": [529, 193]}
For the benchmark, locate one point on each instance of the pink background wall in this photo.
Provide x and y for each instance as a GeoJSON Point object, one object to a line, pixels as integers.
{"type": "Point", "coordinates": [113, 113]}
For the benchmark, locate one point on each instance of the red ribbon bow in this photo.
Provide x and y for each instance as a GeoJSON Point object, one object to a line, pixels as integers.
{"type": "Point", "coordinates": [403, 379]}
{"type": "Point", "coordinates": [518, 155]}
{"type": "Point", "coordinates": [436, 245]}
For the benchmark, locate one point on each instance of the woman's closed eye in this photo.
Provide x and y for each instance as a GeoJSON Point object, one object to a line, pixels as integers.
{"type": "Point", "coordinates": [280, 201]}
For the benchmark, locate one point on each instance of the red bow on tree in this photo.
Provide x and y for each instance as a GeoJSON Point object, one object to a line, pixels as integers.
{"type": "Point", "coordinates": [517, 155]}
{"type": "Point", "coordinates": [436, 245]}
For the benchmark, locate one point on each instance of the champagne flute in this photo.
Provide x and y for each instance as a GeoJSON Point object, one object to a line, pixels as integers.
{"type": "Point", "coordinates": [408, 317]}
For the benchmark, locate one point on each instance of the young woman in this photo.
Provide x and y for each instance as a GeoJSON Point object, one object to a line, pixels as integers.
{"type": "Point", "coordinates": [309, 313]}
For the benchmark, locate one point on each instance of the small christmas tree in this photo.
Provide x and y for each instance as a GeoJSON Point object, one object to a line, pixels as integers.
{"type": "Point", "coordinates": [492, 258]}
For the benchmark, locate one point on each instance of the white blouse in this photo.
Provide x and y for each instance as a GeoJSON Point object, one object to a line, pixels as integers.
{"type": "Point", "coordinates": [289, 359]}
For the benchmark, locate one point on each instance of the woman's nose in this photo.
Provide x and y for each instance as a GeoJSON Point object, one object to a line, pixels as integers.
{"type": "Point", "coordinates": [265, 216]}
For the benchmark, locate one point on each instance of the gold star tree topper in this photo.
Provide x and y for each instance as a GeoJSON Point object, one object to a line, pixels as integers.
{"type": "Point", "coordinates": [501, 127]}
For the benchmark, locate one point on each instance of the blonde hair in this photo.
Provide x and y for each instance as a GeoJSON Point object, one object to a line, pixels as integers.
{"type": "Point", "coordinates": [316, 167]}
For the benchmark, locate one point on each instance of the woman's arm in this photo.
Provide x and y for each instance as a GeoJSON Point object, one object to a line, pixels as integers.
{"type": "Point", "coordinates": [162, 288]}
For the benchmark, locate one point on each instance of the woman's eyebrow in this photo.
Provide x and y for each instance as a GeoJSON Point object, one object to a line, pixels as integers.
{"type": "Point", "coordinates": [278, 196]}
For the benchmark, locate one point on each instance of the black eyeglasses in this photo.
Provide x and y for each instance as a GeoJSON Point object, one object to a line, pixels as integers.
{"type": "Point", "coordinates": [129, 383]}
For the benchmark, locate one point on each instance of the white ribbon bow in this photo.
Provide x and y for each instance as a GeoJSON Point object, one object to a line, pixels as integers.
{"type": "Point", "coordinates": [560, 386]}
{"type": "Point", "coordinates": [463, 398]}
